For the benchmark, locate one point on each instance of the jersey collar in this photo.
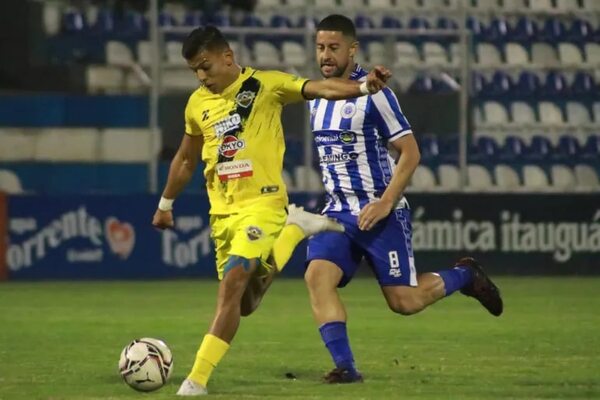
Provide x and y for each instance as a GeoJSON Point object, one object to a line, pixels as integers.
{"type": "Point", "coordinates": [357, 73]}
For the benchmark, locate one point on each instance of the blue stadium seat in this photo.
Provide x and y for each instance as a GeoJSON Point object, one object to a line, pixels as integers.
{"type": "Point", "coordinates": [422, 84]}
{"type": "Point", "coordinates": [581, 31]}
{"type": "Point", "coordinates": [497, 32]}
{"type": "Point", "coordinates": [133, 23]}
{"type": "Point", "coordinates": [429, 148]}
{"type": "Point", "coordinates": [448, 148]}
{"type": "Point", "coordinates": [479, 84]}
{"type": "Point", "coordinates": [553, 31]}
{"type": "Point", "coordinates": [446, 24]}
{"type": "Point", "coordinates": [390, 22]}
{"type": "Point", "coordinates": [220, 20]}
{"type": "Point", "coordinates": [313, 21]}
{"type": "Point", "coordinates": [193, 18]}
{"type": "Point", "coordinates": [525, 31]}
{"type": "Point", "coordinates": [280, 21]}
{"type": "Point", "coordinates": [583, 85]}
{"type": "Point", "coordinates": [165, 19]}
{"type": "Point", "coordinates": [105, 21]}
{"type": "Point", "coordinates": [250, 20]}
{"type": "Point", "coordinates": [500, 85]}
{"type": "Point", "coordinates": [364, 22]}
{"type": "Point", "coordinates": [591, 148]}
{"type": "Point", "coordinates": [540, 149]}
{"type": "Point", "coordinates": [418, 23]}
{"type": "Point", "coordinates": [476, 27]}
{"type": "Point", "coordinates": [555, 86]}
{"type": "Point", "coordinates": [527, 86]}
{"type": "Point", "coordinates": [74, 22]}
{"type": "Point", "coordinates": [513, 149]}
{"type": "Point", "coordinates": [567, 149]}
{"type": "Point", "coordinates": [486, 149]}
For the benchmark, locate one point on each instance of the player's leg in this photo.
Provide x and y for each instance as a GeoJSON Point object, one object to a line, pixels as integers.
{"type": "Point", "coordinates": [299, 225]}
{"type": "Point", "coordinates": [332, 262]}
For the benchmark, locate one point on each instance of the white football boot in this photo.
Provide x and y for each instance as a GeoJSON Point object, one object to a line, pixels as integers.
{"type": "Point", "coordinates": [190, 388]}
{"type": "Point", "coordinates": [311, 223]}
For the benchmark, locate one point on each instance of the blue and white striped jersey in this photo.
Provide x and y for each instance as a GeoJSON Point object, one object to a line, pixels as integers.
{"type": "Point", "coordinates": [351, 137]}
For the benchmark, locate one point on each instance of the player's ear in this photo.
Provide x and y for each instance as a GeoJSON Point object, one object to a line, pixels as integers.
{"type": "Point", "coordinates": [229, 58]}
{"type": "Point", "coordinates": [353, 48]}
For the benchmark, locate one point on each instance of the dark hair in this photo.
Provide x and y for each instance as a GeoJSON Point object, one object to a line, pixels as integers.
{"type": "Point", "coordinates": [338, 23]}
{"type": "Point", "coordinates": [206, 38]}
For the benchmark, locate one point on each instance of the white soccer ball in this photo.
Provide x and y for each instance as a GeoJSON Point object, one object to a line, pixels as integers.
{"type": "Point", "coordinates": [146, 364]}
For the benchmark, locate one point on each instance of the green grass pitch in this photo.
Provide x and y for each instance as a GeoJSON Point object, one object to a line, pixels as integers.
{"type": "Point", "coordinates": [62, 341]}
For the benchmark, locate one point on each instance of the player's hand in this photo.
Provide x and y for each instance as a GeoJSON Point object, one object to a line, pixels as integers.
{"type": "Point", "coordinates": [372, 213]}
{"type": "Point", "coordinates": [377, 78]}
{"type": "Point", "coordinates": [163, 219]}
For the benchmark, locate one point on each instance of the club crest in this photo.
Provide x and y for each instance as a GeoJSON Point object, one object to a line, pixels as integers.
{"type": "Point", "coordinates": [245, 98]}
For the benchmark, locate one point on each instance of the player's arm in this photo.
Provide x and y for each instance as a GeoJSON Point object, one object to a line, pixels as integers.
{"type": "Point", "coordinates": [409, 159]}
{"type": "Point", "coordinates": [338, 89]}
{"type": "Point", "coordinates": [180, 173]}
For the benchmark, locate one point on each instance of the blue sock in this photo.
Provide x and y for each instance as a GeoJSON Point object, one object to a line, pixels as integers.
{"type": "Point", "coordinates": [336, 339]}
{"type": "Point", "coordinates": [455, 278]}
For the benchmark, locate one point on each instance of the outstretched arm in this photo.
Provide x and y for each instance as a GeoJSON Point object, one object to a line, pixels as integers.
{"type": "Point", "coordinates": [180, 173]}
{"type": "Point", "coordinates": [338, 89]}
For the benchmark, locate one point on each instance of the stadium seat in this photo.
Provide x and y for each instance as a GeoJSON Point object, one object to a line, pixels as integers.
{"type": "Point", "coordinates": [550, 113]}
{"type": "Point", "coordinates": [73, 22]}
{"type": "Point", "coordinates": [363, 22]}
{"type": "Point", "coordinates": [265, 53]}
{"type": "Point", "coordinates": [567, 148]}
{"type": "Point", "coordinates": [423, 84]}
{"type": "Point", "coordinates": [193, 18]}
{"type": "Point", "coordinates": [446, 23]}
{"type": "Point", "coordinates": [478, 84]}
{"type": "Point", "coordinates": [478, 177]}
{"type": "Point", "coordinates": [296, 4]}
{"type": "Point", "coordinates": [569, 54]}
{"type": "Point", "coordinates": [506, 177]}
{"type": "Point", "coordinates": [423, 178]}
{"type": "Point", "coordinates": [51, 17]}
{"type": "Point", "coordinates": [280, 21]}
{"type": "Point", "coordinates": [104, 79]}
{"type": "Point", "coordinates": [307, 179]}
{"type": "Point", "coordinates": [325, 5]}
{"type": "Point", "coordinates": [592, 53]}
{"type": "Point", "coordinates": [144, 53]}
{"type": "Point", "coordinates": [497, 31]}
{"type": "Point", "coordinates": [435, 5]}
{"type": "Point", "coordinates": [381, 4]}
{"type": "Point", "coordinates": [222, 20]}
{"type": "Point", "coordinates": [251, 20]}
{"type": "Point", "coordinates": [591, 148]}
{"type": "Point", "coordinates": [487, 148]}
{"type": "Point", "coordinates": [434, 54]}
{"type": "Point", "coordinates": [133, 23]}
{"type": "Point", "coordinates": [562, 177]}
{"type": "Point", "coordinates": [165, 19]}
{"type": "Point", "coordinates": [577, 113]}
{"type": "Point", "coordinates": [311, 21]}
{"type": "Point", "coordinates": [495, 113]}
{"type": "Point", "coordinates": [596, 111]}
{"type": "Point", "coordinates": [516, 54]}
{"type": "Point", "coordinates": [127, 146]}
{"type": "Point", "coordinates": [524, 32]}
{"type": "Point", "coordinates": [287, 179]}
{"type": "Point", "coordinates": [590, 5]}
{"type": "Point", "coordinates": [487, 5]}
{"type": "Point", "coordinates": [581, 31]}
{"type": "Point", "coordinates": [522, 113]}
{"type": "Point", "coordinates": [555, 86]}
{"type": "Point", "coordinates": [419, 23]}
{"type": "Point", "coordinates": [173, 50]}
{"type": "Point", "coordinates": [407, 54]}
{"type": "Point", "coordinates": [390, 22]}
{"type": "Point", "coordinates": [105, 21]}
{"type": "Point", "coordinates": [541, 5]}
{"type": "Point", "coordinates": [268, 5]}
{"type": "Point", "coordinates": [82, 145]}
{"type": "Point", "coordinates": [500, 85]}
{"type": "Point", "coordinates": [118, 54]}
{"type": "Point", "coordinates": [10, 182]}
{"type": "Point", "coordinates": [476, 27]}
{"type": "Point", "coordinates": [488, 55]}
{"type": "Point", "coordinates": [553, 31]}
{"type": "Point", "coordinates": [17, 144]}
{"type": "Point", "coordinates": [449, 148]}
{"type": "Point", "coordinates": [515, 5]}
{"type": "Point", "coordinates": [293, 53]}
{"type": "Point", "coordinates": [179, 79]}
{"type": "Point", "coordinates": [540, 148]}
{"type": "Point", "coordinates": [534, 177]}
{"type": "Point", "coordinates": [449, 176]}
{"type": "Point", "coordinates": [584, 86]}
{"type": "Point", "coordinates": [514, 148]}
{"type": "Point", "coordinates": [586, 177]}
{"type": "Point", "coordinates": [544, 55]}
{"type": "Point", "coordinates": [527, 86]}
{"type": "Point", "coordinates": [377, 52]}
{"type": "Point", "coordinates": [429, 147]}
{"type": "Point", "coordinates": [567, 5]}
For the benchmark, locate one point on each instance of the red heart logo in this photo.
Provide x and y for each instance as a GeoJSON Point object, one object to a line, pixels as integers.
{"type": "Point", "coordinates": [120, 236]}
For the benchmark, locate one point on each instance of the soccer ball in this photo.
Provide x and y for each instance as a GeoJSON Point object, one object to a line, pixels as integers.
{"type": "Point", "coordinates": [146, 364]}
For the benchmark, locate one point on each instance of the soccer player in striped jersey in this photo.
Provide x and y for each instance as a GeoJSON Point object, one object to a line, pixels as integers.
{"type": "Point", "coordinates": [364, 188]}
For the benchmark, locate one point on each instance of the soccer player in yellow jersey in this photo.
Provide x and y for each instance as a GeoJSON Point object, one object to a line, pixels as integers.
{"type": "Point", "coordinates": [233, 124]}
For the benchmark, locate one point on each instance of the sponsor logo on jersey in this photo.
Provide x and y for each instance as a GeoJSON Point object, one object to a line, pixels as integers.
{"type": "Point", "coordinates": [245, 98]}
{"type": "Point", "coordinates": [234, 169]}
{"type": "Point", "coordinates": [347, 137]}
{"type": "Point", "coordinates": [336, 158]}
{"type": "Point", "coordinates": [231, 145]}
{"type": "Point", "coordinates": [254, 232]}
{"type": "Point", "coordinates": [348, 110]}
{"type": "Point", "coordinates": [228, 124]}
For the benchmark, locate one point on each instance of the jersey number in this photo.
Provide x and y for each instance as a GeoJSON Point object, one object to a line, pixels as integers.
{"type": "Point", "coordinates": [394, 262]}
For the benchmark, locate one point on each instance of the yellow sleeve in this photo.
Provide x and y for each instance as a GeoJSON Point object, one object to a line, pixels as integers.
{"type": "Point", "coordinates": [288, 88]}
{"type": "Point", "coordinates": [191, 125]}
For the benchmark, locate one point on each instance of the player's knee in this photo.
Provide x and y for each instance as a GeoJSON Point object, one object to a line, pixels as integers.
{"type": "Point", "coordinates": [404, 306]}
{"type": "Point", "coordinates": [248, 306]}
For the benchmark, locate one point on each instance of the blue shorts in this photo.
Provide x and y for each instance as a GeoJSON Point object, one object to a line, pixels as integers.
{"type": "Point", "coordinates": [386, 247]}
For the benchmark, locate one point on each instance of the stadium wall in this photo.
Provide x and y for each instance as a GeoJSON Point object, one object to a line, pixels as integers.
{"type": "Point", "coordinates": [3, 236]}
{"type": "Point", "coordinates": [110, 237]}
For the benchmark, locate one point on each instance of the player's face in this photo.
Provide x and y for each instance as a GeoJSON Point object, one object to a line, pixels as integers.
{"type": "Point", "coordinates": [213, 68]}
{"type": "Point", "coordinates": [335, 53]}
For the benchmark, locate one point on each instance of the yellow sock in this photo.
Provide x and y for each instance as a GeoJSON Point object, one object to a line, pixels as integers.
{"type": "Point", "coordinates": [208, 356]}
{"type": "Point", "coordinates": [285, 244]}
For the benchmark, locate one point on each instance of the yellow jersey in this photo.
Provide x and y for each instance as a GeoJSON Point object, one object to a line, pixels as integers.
{"type": "Point", "coordinates": [243, 138]}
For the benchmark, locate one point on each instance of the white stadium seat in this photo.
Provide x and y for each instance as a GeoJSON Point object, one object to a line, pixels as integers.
{"type": "Point", "coordinates": [541, 5]}
{"type": "Point", "coordinates": [434, 54]}
{"type": "Point", "coordinates": [144, 52]}
{"type": "Point", "coordinates": [377, 52]}
{"type": "Point", "coordinates": [488, 55]}
{"type": "Point", "coordinates": [67, 144]}
{"type": "Point", "coordinates": [562, 177]}
{"type": "Point", "coordinates": [287, 179]}
{"type": "Point", "coordinates": [294, 54]}
{"type": "Point", "coordinates": [494, 113]}
{"type": "Point", "coordinates": [10, 182]}
{"type": "Point", "coordinates": [449, 176]}
{"type": "Point", "coordinates": [577, 113]}
{"type": "Point", "coordinates": [506, 177]}
{"type": "Point", "coordinates": [173, 50]}
{"type": "Point", "coordinates": [265, 53]}
{"type": "Point", "coordinates": [17, 144]}
{"type": "Point", "coordinates": [586, 176]}
{"type": "Point", "coordinates": [567, 5]}
{"type": "Point", "coordinates": [423, 178]}
{"type": "Point", "coordinates": [543, 54]}
{"type": "Point", "coordinates": [118, 54]}
{"type": "Point", "coordinates": [534, 177]}
{"type": "Point", "coordinates": [522, 113]}
{"type": "Point", "coordinates": [127, 145]}
{"type": "Point", "coordinates": [381, 4]}
{"type": "Point", "coordinates": [591, 5]}
{"type": "Point", "coordinates": [569, 54]}
{"type": "Point", "coordinates": [596, 112]}
{"type": "Point", "coordinates": [407, 54]}
{"type": "Point", "coordinates": [516, 54]}
{"type": "Point", "coordinates": [104, 79]}
{"type": "Point", "coordinates": [179, 79]}
{"type": "Point", "coordinates": [325, 5]}
{"type": "Point", "coordinates": [516, 5]}
{"type": "Point", "coordinates": [51, 15]}
{"type": "Point", "coordinates": [478, 177]}
{"type": "Point", "coordinates": [592, 53]}
{"type": "Point", "coordinates": [550, 113]}
{"type": "Point", "coordinates": [487, 4]}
